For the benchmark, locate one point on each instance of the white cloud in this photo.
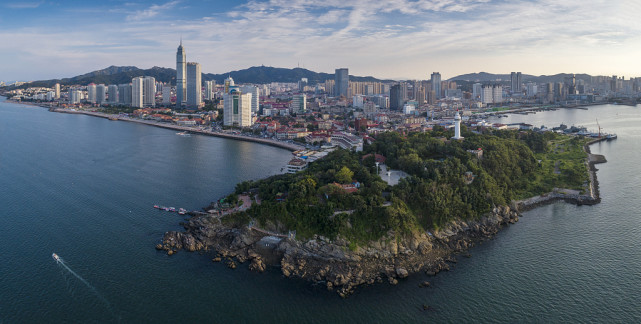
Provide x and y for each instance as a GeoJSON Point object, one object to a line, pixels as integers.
{"type": "Point", "coordinates": [23, 5]}
{"type": "Point", "coordinates": [151, 12]}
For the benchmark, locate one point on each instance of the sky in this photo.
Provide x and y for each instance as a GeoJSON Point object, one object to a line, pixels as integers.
{"type": "Point", "coordinates": [390, 39]}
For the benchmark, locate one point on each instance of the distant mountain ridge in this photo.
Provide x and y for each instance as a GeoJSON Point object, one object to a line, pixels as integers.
{"type": "Point", "coordinates": [490, 77]}
{"type": "Point", "coordinates": [255, 74]}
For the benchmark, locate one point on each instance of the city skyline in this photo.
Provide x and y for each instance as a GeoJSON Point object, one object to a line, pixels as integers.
{"type": "Point", "coordinates": [389, 39]}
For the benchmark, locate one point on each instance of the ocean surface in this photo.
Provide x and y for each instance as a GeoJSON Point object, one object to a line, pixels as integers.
{"type": "Point", "coordinates": [84, 187]}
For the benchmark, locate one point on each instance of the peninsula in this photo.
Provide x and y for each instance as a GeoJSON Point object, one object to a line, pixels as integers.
{"type": "Point", "coordinates": [342, 223]}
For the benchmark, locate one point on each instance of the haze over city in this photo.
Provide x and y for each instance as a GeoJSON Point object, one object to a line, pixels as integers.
{"type": "Point", "coordinates": [386, 39]}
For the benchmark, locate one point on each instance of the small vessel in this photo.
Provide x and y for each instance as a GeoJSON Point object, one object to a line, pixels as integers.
{"type": "Point", "coordinates": [156, 206]}
{"type": "Point", "coordinates": [171, 209]}
{"type": "Point", "coordinates": [185, 133]}
{"type": "Point", "coordinates": [182, 211]}
{"type": "Point", "coordinates": [55, 257]}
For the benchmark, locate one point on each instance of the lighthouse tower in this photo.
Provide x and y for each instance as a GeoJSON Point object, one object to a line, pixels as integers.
{"type": "Point", "coordinates": [457, 127]}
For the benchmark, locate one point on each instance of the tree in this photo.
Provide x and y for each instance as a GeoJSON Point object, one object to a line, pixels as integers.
{"type": "Point", "coordinates": [344, 175]}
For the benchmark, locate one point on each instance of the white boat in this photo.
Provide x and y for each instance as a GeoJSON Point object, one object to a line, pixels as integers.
{"type": "Point", "coordinates": [55, 257]}
{"type": "Point", "coordinates": [185, 133]}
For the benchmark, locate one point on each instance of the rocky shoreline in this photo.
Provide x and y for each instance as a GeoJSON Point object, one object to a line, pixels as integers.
{"type": "Point", "coordinates": [331, 262]}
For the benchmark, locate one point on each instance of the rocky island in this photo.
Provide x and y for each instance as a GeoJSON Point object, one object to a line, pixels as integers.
{"type": "Point", "coordinates": [340, 224]}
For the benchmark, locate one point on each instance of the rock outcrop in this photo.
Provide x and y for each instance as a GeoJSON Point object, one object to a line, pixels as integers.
{"type": "Point", "coordinates": [331, 262]}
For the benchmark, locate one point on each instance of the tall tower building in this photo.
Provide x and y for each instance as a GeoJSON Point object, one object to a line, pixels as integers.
{"type": "Point", "coordinates": [57, 91]}
{"type": "Point", "coordinates": [137, 92]}
{"type": "Point", "coordinates": [255, 96]}
{"type": "Point", "coordinates": [149, 92]}
{"type": "Point", "coordinates": [91, 93]}
{"type": "Point", "coordinates": [210, 88]}
{"type": "Point", "coordinates": [341, 82]}
{"type": "Point", "coordinates": [194, 86]}
{"type": "Point", "coordinates": [436, 84]}
{"type": "Point", "coordinates": [181, 74]}
{"type": "Point", "coordinates": [229, 82]}
{"type": "Point", "coordinates": [516, 81]}
{"type": "Point", "coordinates": [166, 95]}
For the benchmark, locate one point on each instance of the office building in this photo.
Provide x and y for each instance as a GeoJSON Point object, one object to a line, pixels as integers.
{"type": "Point", "coordinates": [229, 82]}
{"type": "Point", "coordinates": [436, 84]}
{"type": "Point", "coordinates": [194, 86]}
{"type": "Point", "coordinates": [57, 91]}
{"type": "Point", "coordinates": [255, 92]}
{"type": "Point", "coordinates": [210, 90]}
{"type": "Point", "coordinates": [299, 103]}
{"type": "Point", "coordinates": [166, 95]}
{"type": "Point", "coordinates": [516, 81]}
{"type": "Point", "coordinates": [476, 91]}
{"type": "Point", "coordinates": [341, 82]}
{"type": "Point", "coordinates": [101, 94]}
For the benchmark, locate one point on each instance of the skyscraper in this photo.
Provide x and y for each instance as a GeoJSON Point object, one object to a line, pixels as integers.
{"type": "Point", "coordinates": [194, 86]}
{"type": "Point", "coordinates": [137, 92]}
{"type": "Point", "coordinates": [210, 89]}
{"type": "Point", "coordinates": [396, 98]}
{"type": "Point", "coordinates": [57, 91]}
{"type": "Point", "coordinates": [166, 95]}
{"type": "Point", "coordinates": [101, 94]}
{"type": "Point", "coordinates": [237, 108]}
{"type": "Point", "coordinates": [124, 94]}
{"type": "Point", "coordinates": [299, 103]}
{"type": "Point", "coordinates": [341, 82]}
{"type": "Point", "coordinates": [181, 73]}
{"type": "Point", "coordinates": [91, 93]}
{"type": "Point", "coordinates": [229, 82]}
{"type": "Point", "coordinates": [149, 92]}
{"type": "Point", "coordinates": [516, 81]}
{"type": "Point", "coordinates": [436, 84]}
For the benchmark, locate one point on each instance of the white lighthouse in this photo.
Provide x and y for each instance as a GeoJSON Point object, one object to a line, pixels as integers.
{"type": "Point", "coordinates": [457, 127]}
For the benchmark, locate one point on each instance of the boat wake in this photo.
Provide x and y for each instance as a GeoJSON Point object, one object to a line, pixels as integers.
{"type": "Point", "coordinates": [64, 266]}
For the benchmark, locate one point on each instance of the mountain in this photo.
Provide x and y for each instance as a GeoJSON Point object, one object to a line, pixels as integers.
{"type": "Point", "coordinates": [256, 74]}
{"type": "Point", "coordinates": [489, 77]}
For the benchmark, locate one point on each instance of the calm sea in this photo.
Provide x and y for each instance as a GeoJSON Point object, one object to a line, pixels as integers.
{"type": "Point", "coordinates": [84, 187]}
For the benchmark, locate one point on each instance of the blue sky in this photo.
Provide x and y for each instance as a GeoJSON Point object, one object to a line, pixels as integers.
{"type": "Point", "coordinates": [399, 39]}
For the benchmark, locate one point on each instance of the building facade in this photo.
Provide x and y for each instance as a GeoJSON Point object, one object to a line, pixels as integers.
{"type": "Point", "coordinates": [181, 74]}
{"type": "Point", "coordinates": [237, 108]}
{"type": "Point", "coordinates": [341, 82]}
{"type": "Point", "coordinates": [194, 86]}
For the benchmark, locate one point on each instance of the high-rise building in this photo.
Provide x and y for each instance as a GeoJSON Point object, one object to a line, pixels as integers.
{"type": "Point", "coordinates": [396, 100]}
{"type": "Point", "coordinates": [149, 92]}
{"type": "Point", "coordinates": [516, 81]}
{"type": "Point", "coordinates": [486, 94]}
{"type": "Point", "coordinates": [255, 96]}
{"type": "Point", "coordinates": [531, 89]}
{"type": "Point", "coordinates": [210, 89]}
{"type": "Point", "coordinates": [74, 96]}
{"type": "Point", "coordinates": [476, 91]}
{"type": "Point", "coordinates": [497, 93]}
{"type": "Point", "coordinates": [57, 91]}
{"type": "Point", "coordinates": [124, 94]}
{"type": "Point", "coordinates": [137, 92]}
{"type": "Point", "coordinates": [237, 108]}
{"type": "Point", "coordinates": [112, 93]}
{"type": "Point", "coordinates": [181, 74]}
{"type": "Point", "coordinates": [194, 86]}
{"type": "Point", "coordinates": [436, 84]}
{"type": "Point", "coordinates": [166, 95]}
{"type": "Point", "coordinates": [101, 94]}
{"type": "Point", "coordinates": [299, 103]}
{"type": "Point", "coordinates": [341, 82]}
{"type": "Point", "coordinates": [91, 93]}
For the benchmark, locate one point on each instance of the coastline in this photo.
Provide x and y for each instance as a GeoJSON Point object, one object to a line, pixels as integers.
{"type": "Point", "coordinates": [266, 141]}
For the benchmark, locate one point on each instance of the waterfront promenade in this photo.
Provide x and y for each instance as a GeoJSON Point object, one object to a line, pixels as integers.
{"type": "Point", "coordinates": [195, 130]}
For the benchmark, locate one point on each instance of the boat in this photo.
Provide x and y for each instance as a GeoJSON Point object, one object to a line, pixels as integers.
{"type": "Point", "coordinates": [156, 206]}
{"type": "Point", "coordinates": [55, 257]}
{"type": "Point", "coordinates": [182, 211]}
{"type": "Point", "coordinates": [171, 209]}
{"type": "Point", "coordinates": [185, 133]}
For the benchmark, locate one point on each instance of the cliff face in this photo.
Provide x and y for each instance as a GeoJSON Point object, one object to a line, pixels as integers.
{"type": "Point", "coordinates": [331, 261]}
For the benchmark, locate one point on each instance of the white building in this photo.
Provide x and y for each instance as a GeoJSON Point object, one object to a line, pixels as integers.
{"type": "Point", "coordinates": [57, 91]}
{"type": "Point", "coordinates": [91, 93]}
{"type": "Point", "coordinates": [210, 90]}
{"type": "Point", "coordinates": [486, 94]}
{"type": "Point", "coordinates": [532, 89]}
{"type": "Point", "coordinates": [237, 108]}
{"type": "Point", "coordinates": [194, 86]}
{"type": "Point", "coordinates": [476, 91]}
{"type": "Point", "coordinates": [229, 82]}
{"type": "Point", "coordinates": [358, 101]}
{"type": "Point", "coordinates": [74, 96]}
{"type": "Point", "coordinates": [149, 92]}
{"type": "Point", "coordinates": [497, 93]}
{"type": "Point", "coordinates": [255, 96]}
{"type": "Point", "coordinates": [408, 109]}
{"type": "Point", "coordinates": [124, 94]}
{"type": "Point", "coordinates": [137, 92]}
